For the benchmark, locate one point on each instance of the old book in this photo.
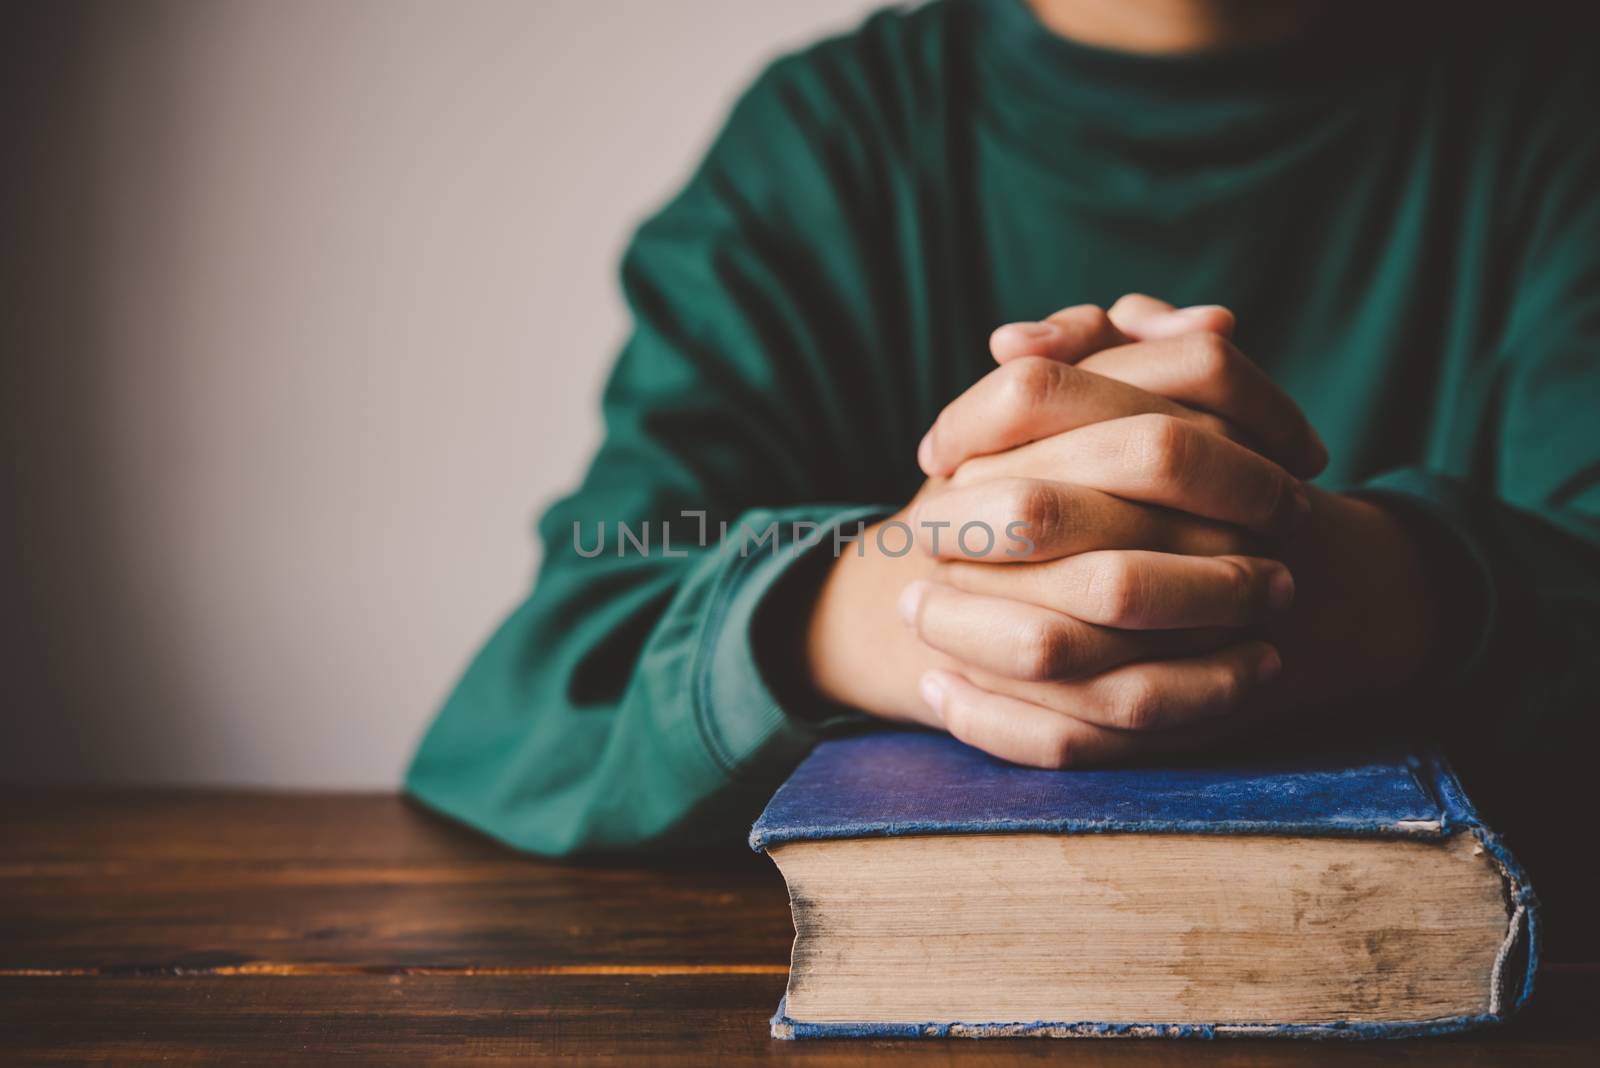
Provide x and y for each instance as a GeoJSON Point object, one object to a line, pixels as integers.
{"type": "Point", "coordinates": [938, 891]}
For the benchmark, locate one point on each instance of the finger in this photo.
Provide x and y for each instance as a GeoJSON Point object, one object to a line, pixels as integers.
{"type": "Point", "coordinates": [1158, 695]}
{"type": "Point", "coordinates": [1136, 590]}
{"type": "Point", "coordinates": [1021, 732]}
{"type": "Point", "coordinates": [1032, 398]}
{"type": "Point", "coordinates": [1206, 371]}
{"type": "Point", "coordinates": [1066, 336]}
{"type": "Point", "coordinates": [1010, 520]}
{"type": "Point", "coordinates": [1201, 367]}
{"type": "Point", "coordinates": [1146, 318]}
{"type": "Point", "coordinates": [1024, 641]}
{"type": "Point", "coordinates": [1159, 460]}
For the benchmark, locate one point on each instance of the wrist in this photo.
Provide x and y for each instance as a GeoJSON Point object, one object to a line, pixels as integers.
{"type": "Point", "coordinates": [1441, 585]}
{"type": "Point", "coordinates": [1377, 583]}
{"type": "Point", "coordinates": [858, 653]}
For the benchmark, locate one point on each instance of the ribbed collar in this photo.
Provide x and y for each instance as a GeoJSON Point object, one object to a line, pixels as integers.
{"type": "Point", "coordinates": [1047, 88]}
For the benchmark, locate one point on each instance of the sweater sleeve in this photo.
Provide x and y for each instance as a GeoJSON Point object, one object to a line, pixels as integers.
{"type": "Point", "coordinates": [1523, 502]}
{"type": "Point", "coordinates": [634, 699]}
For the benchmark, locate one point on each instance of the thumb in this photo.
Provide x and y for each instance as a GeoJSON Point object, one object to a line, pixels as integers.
{"type": "Point", "coordinates": [1146, 318]}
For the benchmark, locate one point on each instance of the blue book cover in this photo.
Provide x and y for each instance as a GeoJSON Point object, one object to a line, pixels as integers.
{"type": "Point", "coordinates": [907, 783]}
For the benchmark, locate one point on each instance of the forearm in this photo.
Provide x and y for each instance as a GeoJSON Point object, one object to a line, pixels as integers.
{"type": "Point", "coordinates": [626, 704]}
{"type": "Point", "coordinates": [1526, 586]}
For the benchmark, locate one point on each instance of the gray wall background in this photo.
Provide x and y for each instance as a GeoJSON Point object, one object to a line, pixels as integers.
{"type": "Point", "coordinates": [304, 310]}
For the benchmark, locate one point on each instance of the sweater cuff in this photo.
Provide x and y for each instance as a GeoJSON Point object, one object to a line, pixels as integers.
{"type": "Point", "coordinates": [1448, 506]}
{"type": "Point", "coordinates": [745, 724]}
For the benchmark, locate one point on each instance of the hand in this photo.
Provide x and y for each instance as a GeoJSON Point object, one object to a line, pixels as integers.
{"type": "Point", "coordinates": [1365, 621]}
{"type": "Point", "coordinates": [1079, 660]}
{"type": "Point", "coordinates": [857, 652]}
{"type": "Point", "coordinates": [1127, 619]}
{"type": "Point", "coordinates": [1178, 362]}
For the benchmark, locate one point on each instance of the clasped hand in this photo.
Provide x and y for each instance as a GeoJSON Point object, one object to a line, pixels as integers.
{"type": "Point", "coordinates": [1157, 474]}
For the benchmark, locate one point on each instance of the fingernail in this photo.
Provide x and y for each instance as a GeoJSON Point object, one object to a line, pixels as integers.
{"type": "Point", "coordinates": [1268, 666]}
{"type": "Point", "coordinates": [1034, 331]}
{"type": "Point", "coordinates": [1198, 311]}
{"type": "Point", "coordinates": [933, 692]}
{"type": "Point", "coordinates": [925, 453]}
{"type": "Point", "coordinates": [911, 601]}
{"type": "Point", "coordinates": [1280, 591]}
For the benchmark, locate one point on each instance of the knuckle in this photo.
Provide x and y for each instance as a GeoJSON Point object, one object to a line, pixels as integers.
{"type": "Point", "coordinates": [1028, 383]}
{"type": "Point", "coordinates": [1237, 585]}
{"type": "Point", "coordinates": [1060, 748]}
{"type": "Point", "coordinates": [957, 716]}
{"type": "Point", "coordinates": [1160, 449]}
{"type": "Point", "coordinates": [1137, 705]}
{"type": "Point", "coordinates": [1043, 651]}
{"type": "Point", "coordinates": [925, 622]}
{"type": "Point", "coordinates": [1209, 356]}
{"type": "Point", "coordinates": [1116, 590]}
{"type": "Point", "coordinates": [1233, 684]}
{"type": "Point", "coordinates": [1036, 505]}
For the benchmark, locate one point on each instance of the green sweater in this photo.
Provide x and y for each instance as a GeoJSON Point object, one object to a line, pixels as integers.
{"type": "Point", "coordinates": [1409, 232]}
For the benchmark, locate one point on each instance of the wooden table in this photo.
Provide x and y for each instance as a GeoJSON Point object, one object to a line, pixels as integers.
{"type": "Point", "coordinates": [250, 928]}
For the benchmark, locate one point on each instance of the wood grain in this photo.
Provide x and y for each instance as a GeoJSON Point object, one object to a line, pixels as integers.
{"type": "Point", "coordinates": [670, 1020]}
{"type": "Point", "coordinates": [258, 928]}
{"type": "Point", "coordinates": [232, 881]}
